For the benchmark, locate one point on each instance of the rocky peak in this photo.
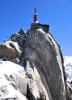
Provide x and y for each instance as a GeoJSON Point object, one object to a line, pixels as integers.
{"type": "Point", "coordinates": [42, 61]}
{"type": "Point", "coordinates": [45, 53]}
{"type": "Point", "coordinates": [20, 38]}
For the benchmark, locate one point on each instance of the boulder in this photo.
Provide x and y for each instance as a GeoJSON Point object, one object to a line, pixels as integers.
{"type": "Point", "coordinates": [10, 50]}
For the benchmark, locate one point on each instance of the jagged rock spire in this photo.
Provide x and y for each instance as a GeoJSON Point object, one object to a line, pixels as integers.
{"type": "Point", "coordinates": [35, 16]}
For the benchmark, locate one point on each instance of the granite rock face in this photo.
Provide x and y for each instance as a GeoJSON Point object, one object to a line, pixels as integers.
{"type": "Point", "coordinates": [45, 53]}
{"type": "Point", "coordinates": [43, 75]}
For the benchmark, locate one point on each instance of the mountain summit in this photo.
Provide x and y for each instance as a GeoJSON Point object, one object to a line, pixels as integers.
{"type": "Point", "coordinates": [31, 66]}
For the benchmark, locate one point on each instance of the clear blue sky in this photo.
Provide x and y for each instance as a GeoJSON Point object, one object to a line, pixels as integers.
{"type": "Point", "coordinates": [16, 14]}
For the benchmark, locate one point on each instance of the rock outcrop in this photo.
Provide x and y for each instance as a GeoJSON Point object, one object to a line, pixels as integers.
{"type": "Point", "coordinates": [44, 52]}
{"type": "Point", "coordinates": [10, 50]}
{"type": "Point", "coordinates": [42, 76]}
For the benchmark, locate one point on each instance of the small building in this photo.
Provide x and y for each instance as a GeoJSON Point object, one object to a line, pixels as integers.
{"type": "Point", "coordinates": [37, 25]}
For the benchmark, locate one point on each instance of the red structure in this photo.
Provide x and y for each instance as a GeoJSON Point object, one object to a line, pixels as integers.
{"type": "Point", "coordinates": [35, 16]}
{"type": "Point", "coordinates": [37, 25]}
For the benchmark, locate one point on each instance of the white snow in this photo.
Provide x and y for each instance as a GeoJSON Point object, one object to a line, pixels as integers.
{"type": "Point", "coordinates": [8, 68]}
{"type": "Point", "coordinates": [68, 67]}
{"type": "Point", "coordinates": [68, 60]}
{"type": "Point", "coordinates": [7, 43]}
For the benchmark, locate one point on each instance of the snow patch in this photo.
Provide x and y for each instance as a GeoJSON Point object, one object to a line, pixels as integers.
{"type": "Point", "coordinates": [68, 67]}
{"type": "Point", "coordinates": [15, 44]}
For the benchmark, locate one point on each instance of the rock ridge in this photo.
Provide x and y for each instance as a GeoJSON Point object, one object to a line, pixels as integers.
{"type": "Point", "coordinates": [42, 63]}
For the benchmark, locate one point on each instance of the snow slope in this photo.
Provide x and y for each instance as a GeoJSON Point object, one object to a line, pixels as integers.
{"type": "Point", "coordinates": [8, 68]}
{"type": "Point", "coordinates": [7, 91]}
{"type": "Point", "coordinates": [68, 67]}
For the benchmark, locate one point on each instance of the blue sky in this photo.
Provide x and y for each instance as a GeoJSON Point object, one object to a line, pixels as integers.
{"type": "Point", "coordinates": [16, 14]}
